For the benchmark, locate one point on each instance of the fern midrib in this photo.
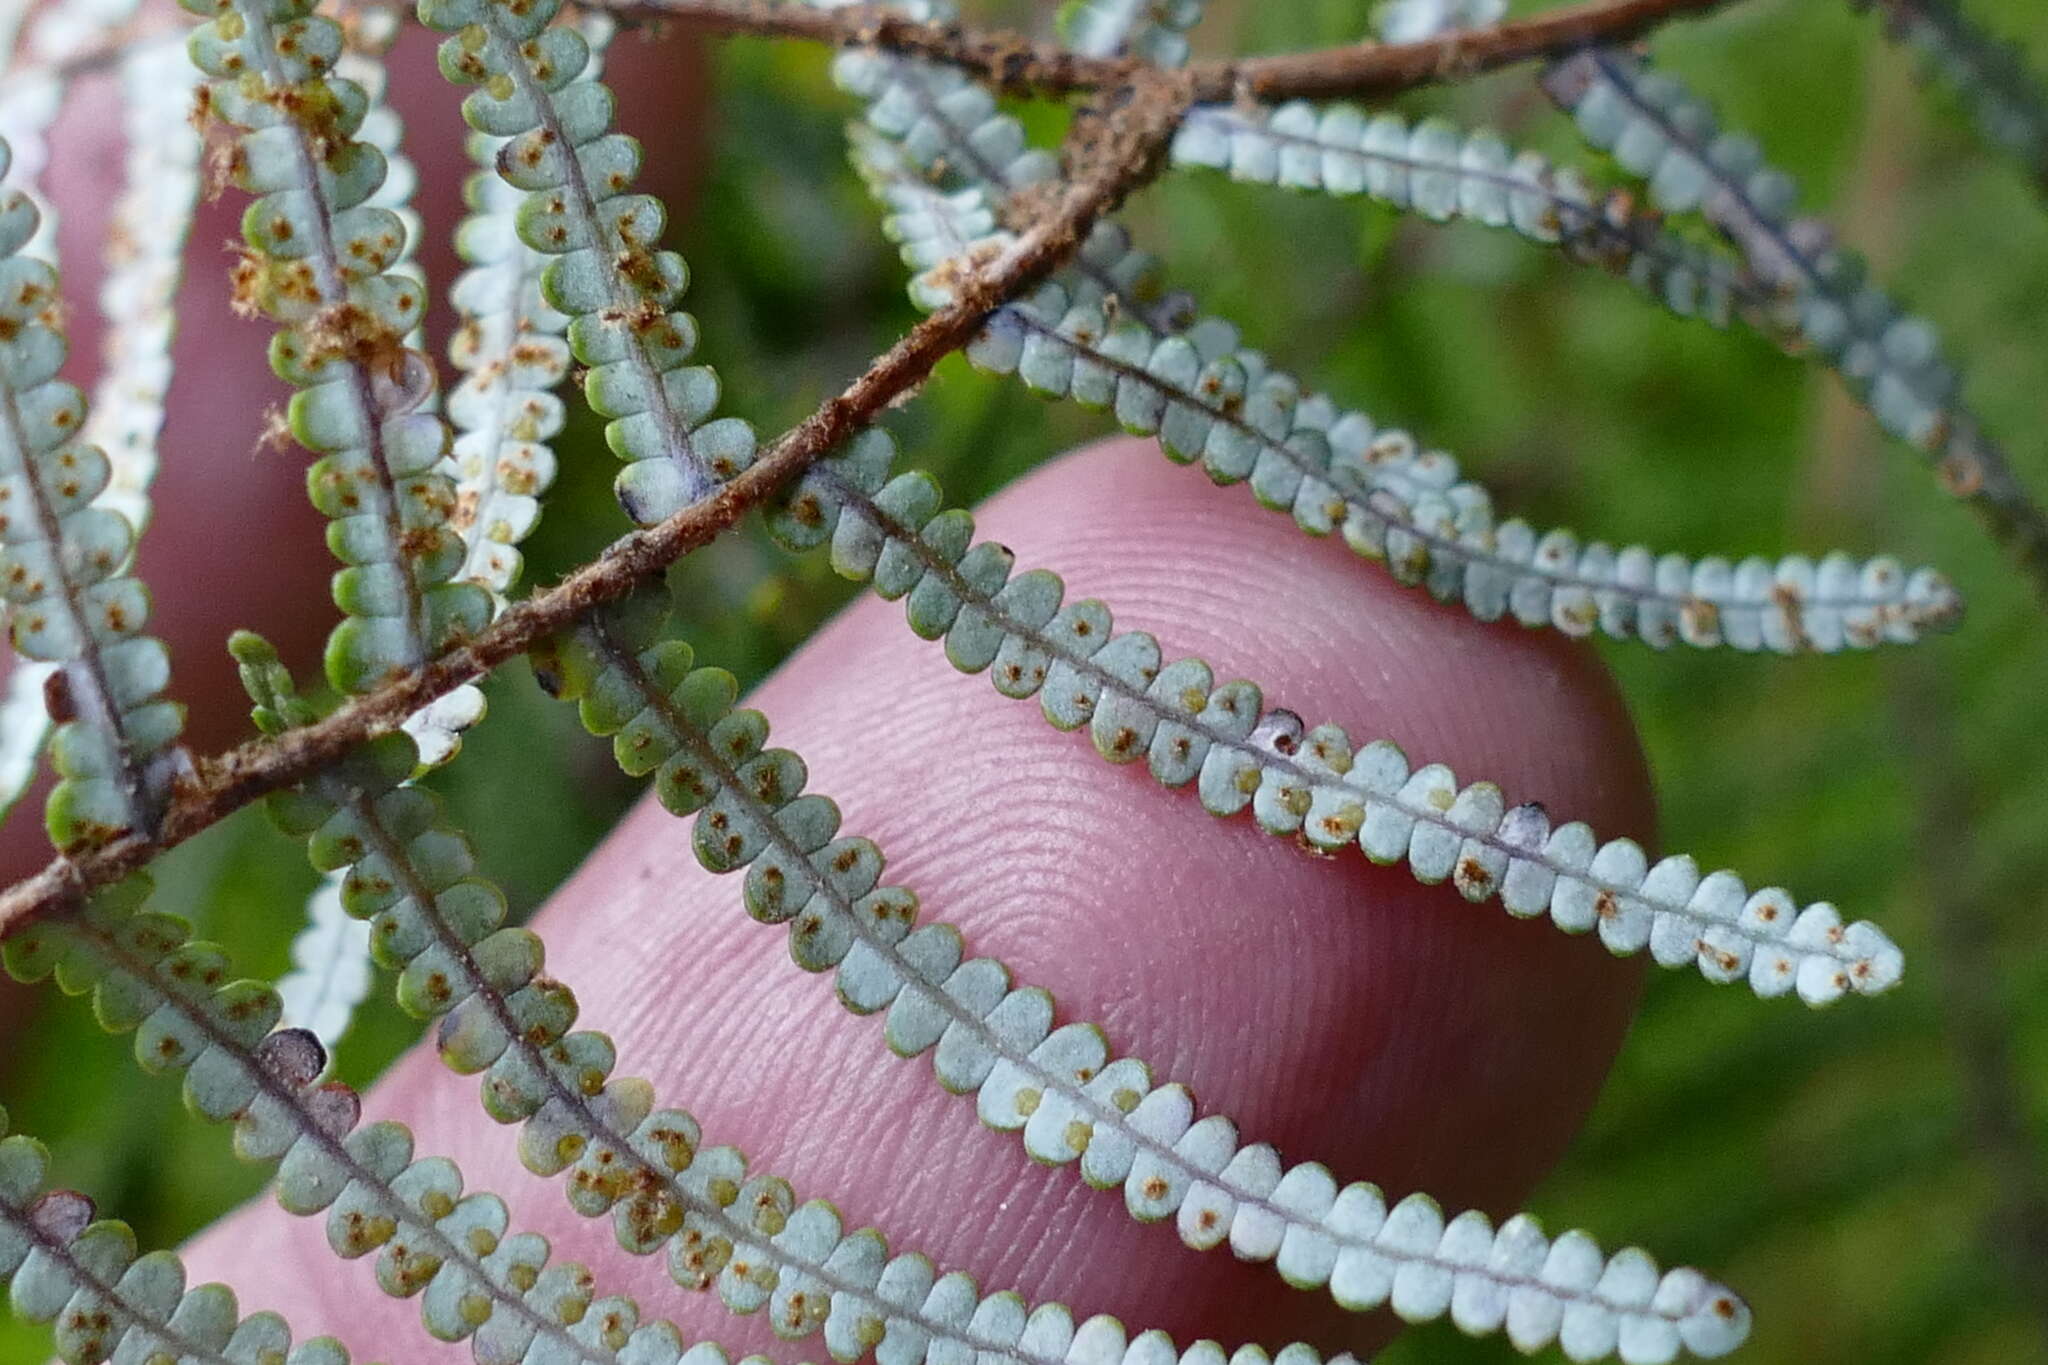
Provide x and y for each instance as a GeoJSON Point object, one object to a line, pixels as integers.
{"type": "Point", "coordinates": [105, 716]}
{"type": "Point", "coordinates": [333, 284]}
{"type": "Point", "coordinates": [675, 435]}
{"type": "Point", "coordinates": [336, 1151]}
{"type": "Point", "coordinates": [1755, 221]}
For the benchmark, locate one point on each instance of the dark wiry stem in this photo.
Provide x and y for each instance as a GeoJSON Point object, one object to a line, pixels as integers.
{"type": "Point", "coordinates": [1011, 62]}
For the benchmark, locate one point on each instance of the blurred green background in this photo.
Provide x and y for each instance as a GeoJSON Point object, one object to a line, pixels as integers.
{"type": "Point", "coordinates": [1861, 1175]}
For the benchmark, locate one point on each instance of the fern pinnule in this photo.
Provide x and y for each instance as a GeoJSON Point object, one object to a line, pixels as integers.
{"type": "Point", "coordinates": [71, 601]}
{"type": "Point", "coordinates": [146, 254]}
{"type": "Point", "coordinates": [513, 359]}
{"type": "Point", "coordinates": [609, 275]}
{"type": "Point", "coordinates": [1209, 401]}
{"type": "Point", "coordinates": [146, 239]}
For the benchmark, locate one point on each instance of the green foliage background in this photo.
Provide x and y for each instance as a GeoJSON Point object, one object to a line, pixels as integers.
{"type": "Point", "coordinates": [1831, 1166]}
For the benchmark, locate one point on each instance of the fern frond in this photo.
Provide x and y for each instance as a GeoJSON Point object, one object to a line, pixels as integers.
{"type": "Point", "coordinates": [609, 274]}
{"type": "Point", "coordinates": [1988, 73]}
{"type": "Point", "coordinates": [1150, 30]}
{"type": "Point", "coordinates": [326, 264]}
{"type": "Point", "coordinates": [1442, 173]}
{"type": "Point", "coordinates": [1311, 784]}
{"type": "Point", "coordinates": [476, 1278]}
{"type": "Point", "coordinates": [63, 570]}
{"type": "Point", "coordinates": [146, 250]}
{"type": "Point", "coordinates": [1889, 360]}
{"type": "Point", "coordinates": [146, 241]}
{"type": "Point", "coordinates": [64, 1265]}
{"type": "Point", "coordinates": [1061, 1088]}
{"type": "Point", "coordinates": [1206, 398]}
{"type": "Point", "coordinates": [1209, 401]}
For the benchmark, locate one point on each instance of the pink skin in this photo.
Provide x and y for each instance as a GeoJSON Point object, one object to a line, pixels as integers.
{"type": "Point", "coordinates": [1339, 1010]}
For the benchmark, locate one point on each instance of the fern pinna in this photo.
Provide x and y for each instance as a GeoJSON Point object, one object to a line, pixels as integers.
{"type": "Point", "coordinates": [1018, 260]}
